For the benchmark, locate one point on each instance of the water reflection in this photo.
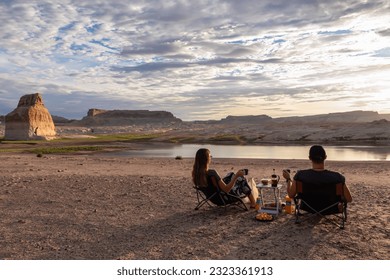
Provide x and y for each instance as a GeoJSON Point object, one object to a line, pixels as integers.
{"type": "Point", "coordinates": [344, 153]}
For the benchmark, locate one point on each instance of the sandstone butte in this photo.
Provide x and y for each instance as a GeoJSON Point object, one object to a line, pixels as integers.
{"type": "Point", "coordinates": [30, 120]}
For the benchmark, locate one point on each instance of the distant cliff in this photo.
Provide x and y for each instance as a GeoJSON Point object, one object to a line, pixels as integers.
{"type": "Point", "coordinates": [344, 117]}
{"type": "Point", "coordinates": [100, 117]}
{"type": "Point", "coordinates": [245, 119]}
{"type": "Point", "coordinates": [345, 128]}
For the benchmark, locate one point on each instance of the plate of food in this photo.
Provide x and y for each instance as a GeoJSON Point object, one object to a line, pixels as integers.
{"type": "Point", "coordinates": [264, 217]}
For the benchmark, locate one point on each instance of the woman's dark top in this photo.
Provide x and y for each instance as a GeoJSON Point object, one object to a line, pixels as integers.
{"type": "Point", "coordinates": [221, 198]}
{"type": "Point", "coordinates": [210, 174]}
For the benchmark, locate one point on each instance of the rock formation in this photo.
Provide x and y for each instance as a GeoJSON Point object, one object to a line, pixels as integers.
{"type": "Point", "coordinates": [99, 117]}
{"type": "Point", "coordinates": [246, 119]}
{"type": "Point", "coordinates": [30, 120]}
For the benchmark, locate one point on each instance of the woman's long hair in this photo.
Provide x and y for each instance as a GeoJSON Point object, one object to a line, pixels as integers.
{"type": "Point", "coordinates": [200, 167]}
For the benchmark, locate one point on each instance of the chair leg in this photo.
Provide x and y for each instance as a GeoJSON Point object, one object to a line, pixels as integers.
{"type": "Point", "coordinates": [297, 214]}
{"type": "Point", "coordinates": [343, 214]}
{"type": "Point", "coordinates": [243, 205]}
{"type": "Point", "coordinates": [201, 200]}
{"type": "Point", "coordinates": [239, 203]}
{"type": "Point", "coordinates": [200, 204]}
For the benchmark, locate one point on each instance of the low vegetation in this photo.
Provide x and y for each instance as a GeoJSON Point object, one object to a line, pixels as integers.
{"type": "Point", "coordinates": [228, 138]}
{"type": "Point", "coordinates": [183, 139]}
{"type": "Point", "coordinates": [72, 145]}
{"type": "Point", "coordinates": [110, 138]}
{"type": "Point", "coordinates": [63, 150]}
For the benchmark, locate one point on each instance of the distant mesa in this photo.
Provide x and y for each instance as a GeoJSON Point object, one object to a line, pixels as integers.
{"type": "Point", "coordinates": [100, 117]}
{"type": "Point", "coordinates": [380, 122]}
{"type": "Point", "coordinates": [246, 119]}
{"type": "Point", "coordinates": [342, 117]}
{"type": "Point", "coordinates": [30, 120]}
{"type": "Point", "coordinates": [60, 120]}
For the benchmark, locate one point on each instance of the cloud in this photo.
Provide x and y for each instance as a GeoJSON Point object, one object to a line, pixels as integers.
{"type": "Point", "coordinates": [384, 32]}
{"type": "Point", "coordinates": [174, 55]}
{"type": "Point", "coordinates": [154, 48]}
{"type": "Point", "coordinates": [384, 52]}
{"type": "Point", "coordinates": [216, 62]}
{"type": "Point", "coordinates": [155, 66]}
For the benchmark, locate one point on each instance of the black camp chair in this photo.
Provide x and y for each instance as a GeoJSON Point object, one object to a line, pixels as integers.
{"type": "Point", "coordinates": [214, 196]}
{"type": "Point", "coordinates": [325, 200]}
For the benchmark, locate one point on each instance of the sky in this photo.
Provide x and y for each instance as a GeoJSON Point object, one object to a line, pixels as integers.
{"type": "Point", "coordinates": [200, 60]}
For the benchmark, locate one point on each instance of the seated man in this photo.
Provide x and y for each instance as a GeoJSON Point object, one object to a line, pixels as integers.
{"type": "Point", "coordinates": [317, 174]}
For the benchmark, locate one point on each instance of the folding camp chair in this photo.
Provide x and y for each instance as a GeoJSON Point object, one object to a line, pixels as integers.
{"type": "Point", "coordinates": [326, 200]}
{"type": "Point", "coordinates": [215, 196]}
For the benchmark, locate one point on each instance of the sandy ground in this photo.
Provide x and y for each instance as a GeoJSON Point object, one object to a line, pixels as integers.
{"type": "Point", "coordinates": [102, 207]}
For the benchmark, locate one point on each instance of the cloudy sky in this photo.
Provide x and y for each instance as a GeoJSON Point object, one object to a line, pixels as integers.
{"type": "Point", "coordinates": [202, 59]}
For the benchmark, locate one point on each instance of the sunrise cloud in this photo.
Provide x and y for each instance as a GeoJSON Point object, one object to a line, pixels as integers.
{"type": "Point", "coordinates": [197, 59]}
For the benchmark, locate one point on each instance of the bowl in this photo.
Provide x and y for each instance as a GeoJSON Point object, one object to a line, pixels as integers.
{"type": "Point", "coordinates": [264, 181]}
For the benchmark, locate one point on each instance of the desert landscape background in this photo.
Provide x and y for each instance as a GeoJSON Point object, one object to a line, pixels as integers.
{"type": "Point", "coordinates": [359, 127]}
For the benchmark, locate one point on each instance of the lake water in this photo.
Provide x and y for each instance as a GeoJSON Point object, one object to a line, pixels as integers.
{"type": "Point", "coordinates": [338, 153]}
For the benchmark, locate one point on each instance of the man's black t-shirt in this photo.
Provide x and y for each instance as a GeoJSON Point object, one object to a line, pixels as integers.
{"type": "Point", "coordinates": [325, 176]}
{"type": "Point", "coordinates": [319, 197]}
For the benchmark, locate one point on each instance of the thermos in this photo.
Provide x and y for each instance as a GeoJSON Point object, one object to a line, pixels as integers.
{"type": "Point", "coordinates": [274, 179]}
{"type": "Point", "coordinates": [258, 203]}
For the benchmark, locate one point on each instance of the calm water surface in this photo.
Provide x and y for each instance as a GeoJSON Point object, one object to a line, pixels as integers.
{"type": "Point", "coordinates": [340, 153]}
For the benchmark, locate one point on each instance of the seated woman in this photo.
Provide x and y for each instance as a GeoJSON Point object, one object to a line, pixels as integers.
{"type": "Point", "coordinates": [203, 176]}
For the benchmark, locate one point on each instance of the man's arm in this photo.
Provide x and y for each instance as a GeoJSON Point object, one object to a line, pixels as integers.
{"type": "Point", "coordinates": [291, 184]}
{"type": "Point", "coordinates": [291, 188]}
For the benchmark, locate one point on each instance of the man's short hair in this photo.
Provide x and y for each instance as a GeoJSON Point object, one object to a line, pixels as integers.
{"type": "Point", "coordinates": [317, 153]}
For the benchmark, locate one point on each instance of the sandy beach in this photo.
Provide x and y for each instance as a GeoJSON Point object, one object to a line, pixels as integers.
{"type": "Point", "coordinates": [95, 206]}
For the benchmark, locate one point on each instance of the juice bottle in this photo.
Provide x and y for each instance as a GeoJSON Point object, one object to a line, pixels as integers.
{"type": "Point", "coordinates": [289, 207]}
